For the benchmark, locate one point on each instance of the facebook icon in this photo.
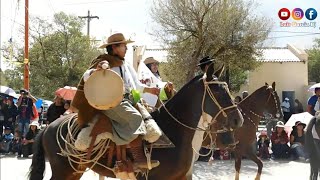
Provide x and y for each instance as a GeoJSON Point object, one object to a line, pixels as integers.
{"type": "Point", "coordinates": [311, 14]}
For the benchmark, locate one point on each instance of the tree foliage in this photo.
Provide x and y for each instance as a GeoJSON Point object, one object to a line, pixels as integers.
{"type": "Point", "coordinates": [3, 80]}
{"type": "Point", "coordinates": [59, 54]}
{"type": "Point", "coordinates": [314, 62]}
{"type": "Point", "coordinates": [224, 29]}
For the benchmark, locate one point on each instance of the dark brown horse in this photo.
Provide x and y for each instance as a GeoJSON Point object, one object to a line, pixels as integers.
{"type": "Point", "coordinates": [313, 147]}
{"type": "Point", "coordinates": [263, 102]}
{"type": "Point", "coordinates": [179, 119]}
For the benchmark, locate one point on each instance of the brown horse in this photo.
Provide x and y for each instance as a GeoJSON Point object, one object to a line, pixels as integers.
{"type": "Point", "coordinates": [263, 102]}
{"type": "Point", "coordinates": [179, 119]}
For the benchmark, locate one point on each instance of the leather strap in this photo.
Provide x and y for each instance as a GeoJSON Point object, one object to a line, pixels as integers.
{"type": "Point", "coordinates": [110, 154]}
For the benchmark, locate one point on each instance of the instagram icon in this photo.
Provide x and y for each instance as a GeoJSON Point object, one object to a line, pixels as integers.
{"type": "Point", "coordinates": [297, 14]}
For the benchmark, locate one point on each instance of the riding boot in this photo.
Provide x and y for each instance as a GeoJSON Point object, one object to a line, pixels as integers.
{"type": "Point", "coordinates": [153, 130]}
{"type": "Point", "coordinates": [140, 160]}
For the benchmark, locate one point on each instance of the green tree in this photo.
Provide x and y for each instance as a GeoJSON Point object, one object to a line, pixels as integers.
{"type": "Point", "coordinates": [314, 62]}
{"type": "Point", "coordinates": [3, 80]}
{"type": "Point", "coordinates": [224, 29]}
{"type": "Point", "coordinates": [59, 54]}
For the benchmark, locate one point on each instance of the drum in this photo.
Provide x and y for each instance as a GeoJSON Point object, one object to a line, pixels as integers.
{"type": "Point", "coordinates": [104, 89]}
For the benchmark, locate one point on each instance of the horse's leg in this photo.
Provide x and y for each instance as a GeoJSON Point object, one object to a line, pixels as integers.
{"type": "Point", "coordinates": [237, 165]}
{"type": "Point", "coordinates": [313, 169]}
{"type": "Point", "coordinates": [60, 172]}
{"type": "Point", "coordinates": [251, 155]}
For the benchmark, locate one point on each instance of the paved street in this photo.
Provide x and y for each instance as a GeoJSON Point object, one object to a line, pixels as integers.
{"type": "Point", "coordinates": [16, 169]}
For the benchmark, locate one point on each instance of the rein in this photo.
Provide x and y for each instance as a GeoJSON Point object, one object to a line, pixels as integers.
{"type": "Point", "coordinates": [211, 95]}
{"type": "Point", "coordinates": [221, 110]}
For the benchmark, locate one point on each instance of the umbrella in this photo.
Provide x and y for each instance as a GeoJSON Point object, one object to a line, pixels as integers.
{"type": "Point", "coordinates": [66, 92]}
{"type": "Point", "coordinates": [314, 86]}
{"type": "Point", "coordinates": [304, 117]}
{"type": "Point", "coordinates": [4, 90]}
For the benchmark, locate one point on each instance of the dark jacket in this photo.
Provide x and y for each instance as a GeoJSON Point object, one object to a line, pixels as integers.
{"type": "Point", "coordinates": [85, 111]}
{"type": "Point", "coordinates": [4, 111]}
{"type": "Point", "coordinates": [13, 111]}
{"type": "Point", "coordinates": [25, 108]}
{"type": "Point", "coordinates": [54, 112]}
{"type": "Point", "coordinates": [31, 135]}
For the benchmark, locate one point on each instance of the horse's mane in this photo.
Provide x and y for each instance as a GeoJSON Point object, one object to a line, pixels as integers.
{"type": "Point", "coordinates": [178, 94]}
{"type": "Point", "coordinates": [196, 78]}
{"type": "Point", "coordinates": [252, 94]}
{"type": "Point", "coordinates": [311, 123]}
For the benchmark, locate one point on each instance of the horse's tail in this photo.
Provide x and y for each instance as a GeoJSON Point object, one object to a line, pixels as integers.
{"type": "Point", "coordinates": [309, 138]}
{"type": "Point", "coordinates": [38, 160]}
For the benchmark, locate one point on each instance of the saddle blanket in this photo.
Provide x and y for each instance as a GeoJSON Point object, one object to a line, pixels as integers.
{"type": "Point", "coordinates": [84, 139]}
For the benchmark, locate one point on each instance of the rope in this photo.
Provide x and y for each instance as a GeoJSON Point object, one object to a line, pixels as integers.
{"type": "Point", "coordinates": [221, 109]}
{"type": "Point", "coordinates": [212, 143]}
{"type": "Point", "coordinates": [72, 153]}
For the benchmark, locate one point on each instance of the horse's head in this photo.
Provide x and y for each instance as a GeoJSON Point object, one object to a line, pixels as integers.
{"type": "Point", "coordinates": [265, 101]}
{"type": "Point", "coordinates": [217, 103]}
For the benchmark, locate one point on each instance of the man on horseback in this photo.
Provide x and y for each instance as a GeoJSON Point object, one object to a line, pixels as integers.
{"type": "Point", "coordinates": [204, 63]}
{"type": "Point", "coordinates": [128, 125]}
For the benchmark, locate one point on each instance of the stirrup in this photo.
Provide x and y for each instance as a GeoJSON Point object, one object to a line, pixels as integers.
{"type": "Point", "coordinates": [142, 158]}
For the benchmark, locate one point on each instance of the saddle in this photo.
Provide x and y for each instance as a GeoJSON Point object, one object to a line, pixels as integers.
{"type": "Point", "coordinates": [130, 158]}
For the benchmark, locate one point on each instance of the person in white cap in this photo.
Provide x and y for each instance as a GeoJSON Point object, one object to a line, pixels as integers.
{"type": "Point", "coordinates": [285, 105]}
{"type": "Point", "coordinates": [28, 141]}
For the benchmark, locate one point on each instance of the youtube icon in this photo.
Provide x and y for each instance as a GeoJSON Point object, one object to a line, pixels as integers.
{"type": "Point", "coordinates": [284, 14]}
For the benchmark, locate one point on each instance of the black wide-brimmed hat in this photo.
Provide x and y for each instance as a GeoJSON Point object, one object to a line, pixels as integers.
{"type": "Point", "coordinates": [205, 61]}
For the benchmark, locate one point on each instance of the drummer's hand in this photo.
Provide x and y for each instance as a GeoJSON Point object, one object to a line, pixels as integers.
{"type": "Point", "coordinates": [155, 91]}
{"type": "Point", "coordinates": [103, 65]}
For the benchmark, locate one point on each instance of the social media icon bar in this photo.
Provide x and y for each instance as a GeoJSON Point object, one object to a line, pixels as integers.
{"type": "Point", "coordinates": [311, 14]}
{"type": "Point", "coordinates": [297, 14]}
{"type": "Point", "coordinates": [284, 14]}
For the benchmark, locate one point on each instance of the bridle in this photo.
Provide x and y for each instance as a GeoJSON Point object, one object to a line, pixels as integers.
{"type": "Point", "coordinates": [222, 110]}
{"type": "Point", "coordinates": [263, 116]}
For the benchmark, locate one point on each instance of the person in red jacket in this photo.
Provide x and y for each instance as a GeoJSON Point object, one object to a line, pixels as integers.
{"type": "Point", "coordinates": [279, 139]}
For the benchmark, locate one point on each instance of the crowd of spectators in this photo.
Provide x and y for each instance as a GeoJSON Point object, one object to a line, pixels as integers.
{"type": "Point", "coordinates": [20, 122]}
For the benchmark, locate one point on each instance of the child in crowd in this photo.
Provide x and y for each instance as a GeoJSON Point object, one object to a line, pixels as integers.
{"type": "Point", "coordinates": [6, 140]}
{"type": "Point", "coordinates": [263, 145]}
{"type": "Point", "coordinates": [16, 143]}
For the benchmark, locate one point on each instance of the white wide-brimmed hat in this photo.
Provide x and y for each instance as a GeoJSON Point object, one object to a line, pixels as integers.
{"type": "Point", "coordinates": [34, 123]}
{"type": "Point", "coordinates": [280, 124]}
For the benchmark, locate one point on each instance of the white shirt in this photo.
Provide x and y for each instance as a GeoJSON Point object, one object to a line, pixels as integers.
{"type": "Point", "coordinates": [129, 77]}
{"type": "Point", "coordinates": [285, 106]}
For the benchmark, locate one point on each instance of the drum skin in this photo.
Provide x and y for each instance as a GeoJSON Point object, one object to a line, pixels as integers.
{"type": "Point", "coordinates": [104, 89]}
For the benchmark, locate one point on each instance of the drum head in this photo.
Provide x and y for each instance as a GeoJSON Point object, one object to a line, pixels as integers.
{"type": "Point", "coordinates": [104, 89]}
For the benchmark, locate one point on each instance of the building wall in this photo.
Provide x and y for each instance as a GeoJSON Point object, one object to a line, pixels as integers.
{"type": "Point", "coordinates": [289, 76]}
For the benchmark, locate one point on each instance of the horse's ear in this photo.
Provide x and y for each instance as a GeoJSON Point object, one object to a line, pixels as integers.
{"type": "Point", "coordinates": [219, 72]}
{"type": "Point", "coordinates": [267, 84]}
{"type": "Point", "coordinates": [274, 85]}
{"type": "Point", "coordinates": [209, 72]}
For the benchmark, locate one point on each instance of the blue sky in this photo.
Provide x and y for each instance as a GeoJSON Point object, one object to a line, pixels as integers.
{"type": "Point", "coordinates": [132, 18]}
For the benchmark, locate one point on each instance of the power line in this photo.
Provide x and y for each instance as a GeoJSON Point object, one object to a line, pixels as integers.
{"type": "Point", "coordinates": [95, 2]}
{"type": "Point", "coordinates": [300, 32]}
{"type": "Point", "coordinates": [310, 34]}
{"type": "Point", "coordinates": [15, 15]}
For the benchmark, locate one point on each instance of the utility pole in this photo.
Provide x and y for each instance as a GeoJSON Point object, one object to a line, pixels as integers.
{"type": "Point", "coordinates": [88, 17]}
{"type": "Point", "coordinates": [26, 46]}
